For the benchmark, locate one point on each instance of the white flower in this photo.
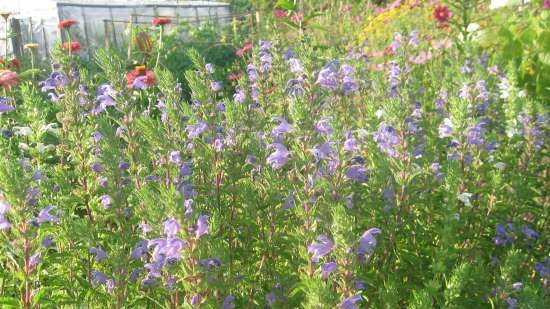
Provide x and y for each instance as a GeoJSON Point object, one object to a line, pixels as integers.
{"type": "Point", "coordinates": [500, 165]}
{"type": "Point", "coordinates": [379, 113]}
{"type": "Point", "coordinates": [465, 198]}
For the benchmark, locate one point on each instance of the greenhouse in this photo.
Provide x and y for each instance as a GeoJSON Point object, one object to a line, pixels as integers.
{"type": "Point", "coordinates": [102, 22]}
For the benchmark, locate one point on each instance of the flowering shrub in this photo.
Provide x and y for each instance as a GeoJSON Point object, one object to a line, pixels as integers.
{"type": "Point", "coordinates": [314, 178]}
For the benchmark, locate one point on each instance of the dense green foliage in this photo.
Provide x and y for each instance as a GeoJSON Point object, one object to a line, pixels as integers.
{"type": "Point", "coordinates": [409, 170]}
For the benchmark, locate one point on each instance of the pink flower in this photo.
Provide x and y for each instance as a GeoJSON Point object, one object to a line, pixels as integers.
{"type": "Point", "coordinates": [279, 13]}
{"type": "Point", "coordinates": [421, 58]}
{"type": "Point", "coordinates": [298, 17]}
{"type": "Point", "coordinates": [546, 4]}
{"type": "Point", "coordinates": [8, 78]}
{"type": "Point", "coordinates": [442, 14]}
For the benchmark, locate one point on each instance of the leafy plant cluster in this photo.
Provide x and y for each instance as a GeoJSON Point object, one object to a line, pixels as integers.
{"type": "Point", "coordinates": [410, 171]}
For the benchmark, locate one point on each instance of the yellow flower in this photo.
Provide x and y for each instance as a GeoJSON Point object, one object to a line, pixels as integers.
{"type": "Point", "coordinates": [30, 46]}
{"type": "Point", "coordinates": [5, 14]}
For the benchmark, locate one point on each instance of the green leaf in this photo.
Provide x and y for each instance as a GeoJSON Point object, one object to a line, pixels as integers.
{"type": "Point", "coordinates": [285, 4]}
{"type": "Point", "coordinates": [9, 302]}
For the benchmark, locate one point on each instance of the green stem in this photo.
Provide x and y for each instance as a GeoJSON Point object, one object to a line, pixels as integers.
{"type": "Point", "coordinates": [160, 46]}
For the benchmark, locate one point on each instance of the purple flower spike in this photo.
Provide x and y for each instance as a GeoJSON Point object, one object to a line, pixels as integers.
{"type": "Point", "coordinates": [321, 248]}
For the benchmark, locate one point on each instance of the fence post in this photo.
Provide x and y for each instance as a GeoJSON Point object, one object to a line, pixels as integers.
{"type": "Point", "coordinates": [45, 38]}
{"type": "Point", "coordinates": [106, 29]}
{"type": "Point", "coordinates": [258, 20]}
{"type": "Point", "coordinates": [85, 27]}
{"type": "Point", "coordinates": [17, 47]}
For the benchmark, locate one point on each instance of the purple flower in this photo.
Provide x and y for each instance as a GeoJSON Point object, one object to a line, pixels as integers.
{"type": "Point", "coordinates": [279, 131]}
{"type": "Point", "coordinates": [445, 128]}
{"type": "Point", "coordinates": [271, 298]}
{"type": "Point", "coordinates": [289, 202]}
{"type": "Point", "coordinates": [321, 248]}
{"type": "Point", "coordinates": [106, 201]}
{"type": "Point", "coordinates": [196, 130]}
{"type": "Point", "coordinates": [278, 158]}
{"type": "Point", "coordinates": [387, 139]}
{"type": "Point", "coordinates": [35, 259]}
{"type": "Point", "coordinates": [502, 238]}
{"type": "Point", "coordinates": [4, 107]}
{"type": "Point", "coordinates": [528, 232]}
{"type": "Point", "coordinates": [209, 68]}
{"type": "Point", "coordinates": [367, 243]}
{"type": "Point", "coordinates": [171, 227]}
{"type": "Point", "coordinates": [512, 303]}
{"type": "Point", "coordinates": [98, 277]}
{"type": "Point", "coordinates": [97, 167]}
{"type": "Point", "coordinates": [188, 203]}
{"type": "Point", "coordinates": [328, 77]}
{"type": "Point", "coordinates": [358, 173]}
{"type": "Point", "coordinates": [4, 207]}
{"type": "Point", "coordinates": [327, 269]}
{"type": "Point", "coordinates": [252, 73]}
{"type": "Point", "coordinates": [123, 165]}
{"type": "Point", "coordinates": [105, 98]}
{"type": "Point", "coordinates": [350, 145]}
{"type": "Point", "coordinates": [239, 96]}
{"type": "Point", "coordinates": [47, 242]}
{"type": "Point", "coordinates": [228, 302]}
{"type": "Point", "coordinates": [543, 268]}
{"type": "Point", "coordinates": [99, 253]}
{"type": "Point", "coordinates": [140, 250]}
{"type": "Point", "coordinates": [45, 216]}
{"type": "Point", "coordinates": [349, 303]}
{"type": "Point", "coordinates": [294, 87]}
{"type": "Point", "coordinates": [323, 126]}
{"type": "Point", "coordinates": [195, 300]}
{"type": "Point", "coordinates": [216, 85]}
{"type": "Point", "coordinates": [324, 151]}
{"type": "Point", "coordinates": [475, 135]}
{"type": "Point", "coordinates": [295, 66]}
{"type": "Point", "coordinates": [202, 226]}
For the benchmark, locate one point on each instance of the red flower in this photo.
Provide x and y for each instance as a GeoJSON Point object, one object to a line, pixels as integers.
{"type": "Point", "coordinates": [8, 78]}
{"type": "Point", "coordinates": [66, 24]}
{"type": "Point", "coordinates": [279, 13]}
{"type": "Point", "coordinates": [15, 63]}
{"type": "Point", "coordinates": [546, 4]}
{"type": "Point", "coordinates": [75, 47]}
{"type": "Point", "coordinates": [441, 25]}
{"type": "Point", "coordinates": [140, 78]}
{"type": "Point", "coordinates": [234, 76]}
{"type": "Point", "coordinates": [442, 13]}
{"type": "Point", "coordinates": [241, 51]}
{"type": "Point", "coordinates": [161, 21]}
